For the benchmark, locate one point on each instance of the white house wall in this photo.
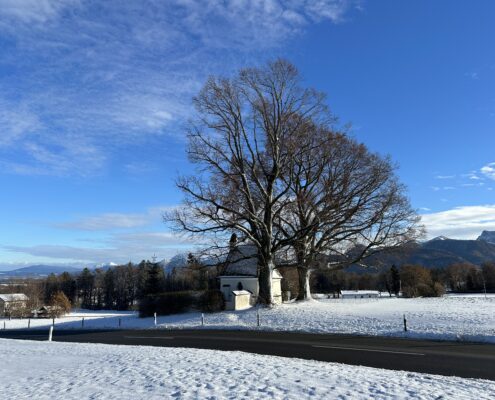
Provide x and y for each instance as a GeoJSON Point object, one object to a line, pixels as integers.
{"type": "Point", "coordinates": [248, 283]}
{"type": "Point", "coordinates": [241, 302]}
{"type": "Point", "coordinates": [277, 290]}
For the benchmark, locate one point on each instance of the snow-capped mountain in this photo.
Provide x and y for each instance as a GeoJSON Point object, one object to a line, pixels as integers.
{"type": "Point", "coordinates": [487, 236]}
{"type": "Point", "coordinates": [177, 261]}
{"type": "Point", "coordinates": [439, 238]}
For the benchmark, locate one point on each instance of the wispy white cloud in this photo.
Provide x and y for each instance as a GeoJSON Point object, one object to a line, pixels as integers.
{"type": "Point", "coordinates": [119, 248]}
{"type": "Point", "coordinates": [445, 177]}
{"type": "Point", "coordinates": [107, 222]}
{"type": "Point", "coordinates": [461, 222]}
{"type": "Point", "coordinates": [139, 168]}
{"type": "Point", "coordinates": [473, 75]}
{"type": "Point", "coordinates": [116, 237]}
{"type": "Point", "coordinates": [94, 76]}
{"type": "Point", "coordinates": [111, 221]}
{"type": "Point", "coordinates": [438, 188]}
{"type": "Point", "coordinates": [473, 184]}
{"type": "Point", "coordinates": [489, 170]}
{"type": "Point", "coordinates": [34, 11]}
{"type": "Point", "coordinates": [16, 122]}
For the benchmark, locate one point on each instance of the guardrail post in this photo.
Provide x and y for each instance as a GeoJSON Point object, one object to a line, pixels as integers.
{"type": "Point", "coordinates": [154, 315]}
{"type": "Point", "coordinates": [82, 322]}
{"type": "Point", "coordinates": [405, 323]}
{"type": "Point", "coordinates": [50, 334]}
{"type": "Point", "coordinates": [29, 323]}
{"type": "Point", "coordinates": [3, 325]}
{"type": "Point", "coordinates": [202, 319]}
{"type": "Point", "coordinates": [258, 316]}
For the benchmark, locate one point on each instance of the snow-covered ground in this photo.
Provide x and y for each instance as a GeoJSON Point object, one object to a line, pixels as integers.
{"type": "Point", "coordinates": [457, 317]}
{"type": "Point", "coordinates": [43, 370]}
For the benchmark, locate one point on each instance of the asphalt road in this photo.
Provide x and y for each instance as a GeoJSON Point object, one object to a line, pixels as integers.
{"type": "Point", "coordinates": [468, 360]}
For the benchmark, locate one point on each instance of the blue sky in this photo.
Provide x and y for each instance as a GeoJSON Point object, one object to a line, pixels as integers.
{"type": "Point", "coordinates": [94, 97]}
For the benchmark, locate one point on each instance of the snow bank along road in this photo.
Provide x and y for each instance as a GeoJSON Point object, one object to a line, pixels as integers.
{"type": "Point", "coordinates": [468, 360]}
{"type": "Point", "coordinates": [36, 370]}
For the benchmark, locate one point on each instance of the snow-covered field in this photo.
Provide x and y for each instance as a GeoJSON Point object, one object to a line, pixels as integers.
{"type": "Point", "coordinates": [43, 370]}
{"type": "Point", "coordinates": [458, 317]}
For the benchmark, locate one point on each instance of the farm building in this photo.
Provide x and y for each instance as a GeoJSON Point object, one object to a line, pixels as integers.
{"type": "Point", "coordinates": [359, 294]}
{"type": "Point", "coordinates": [239, 280]}
{"type": "Point", "coordinates": [10, 303]}
{"type": "Point", "coordinates": [47, 312]}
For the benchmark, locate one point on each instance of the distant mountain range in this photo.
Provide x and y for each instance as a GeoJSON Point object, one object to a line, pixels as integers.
{"type": "Point", "coordinates": [38, 271]}
{"type": "Point", "coordinates": [441, 252]}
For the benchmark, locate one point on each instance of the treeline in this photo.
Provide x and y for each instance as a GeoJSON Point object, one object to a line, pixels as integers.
{"type": "Point", "coordinates": [413, 280]}
{"type": "Point", "coordinates": [125, 287]}
{"type": "Point", "coordinates": [146, 288]}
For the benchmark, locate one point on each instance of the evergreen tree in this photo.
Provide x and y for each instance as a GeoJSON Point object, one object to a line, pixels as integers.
{"type": "Point", "coordinates": [109, 289]}
{"type": "Point", "coordinates": [51, 287]}
{"type": "Point", "coordinates": [155, 280]}
{"type": "Point", "coordinates": [68, 286]}
{"type": "Point", "coordinates": [85, 283]}
{"type": "Point", "coordinates": [143, 270]}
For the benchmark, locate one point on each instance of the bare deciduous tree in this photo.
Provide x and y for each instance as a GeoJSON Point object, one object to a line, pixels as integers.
{"type": "Point", "coordinates": [242, 143]}
{"type": "Point", "coordinates": [348, 204]}
{"type": "Point", "coordinates": [271, 170]}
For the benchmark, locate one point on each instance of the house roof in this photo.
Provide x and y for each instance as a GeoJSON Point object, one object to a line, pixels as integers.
{"type": "Point", "coordinates": [359, 292]}
{"type": "Point", "coordinates": [49, 308]}
{"type": "Point", "coordinates": [241, 292]}
{"type": "Point", "coordinates": [13, 297]}
{"type": "Point", "coordinates": [242, 260]}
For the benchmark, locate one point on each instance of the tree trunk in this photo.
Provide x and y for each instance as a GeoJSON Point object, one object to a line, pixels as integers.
{"type": "Point", "coordinates": [304, 275]}
{"type": "Point", "coordinates": [307, 286]}
{"type": "Point", "coordinates": [301, 292]}
{"type": "Point", "coordinates": [265, 295]}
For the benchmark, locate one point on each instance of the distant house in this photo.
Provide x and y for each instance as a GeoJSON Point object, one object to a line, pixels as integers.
{"type": "Point", "coordinates": [359, 294]}
{"type": "Point", "coordinates": [239, 280]}
{"type": "Point", "coordinates": [47, 312]}
{"type": "Point", "coordinates": [10, 303]}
